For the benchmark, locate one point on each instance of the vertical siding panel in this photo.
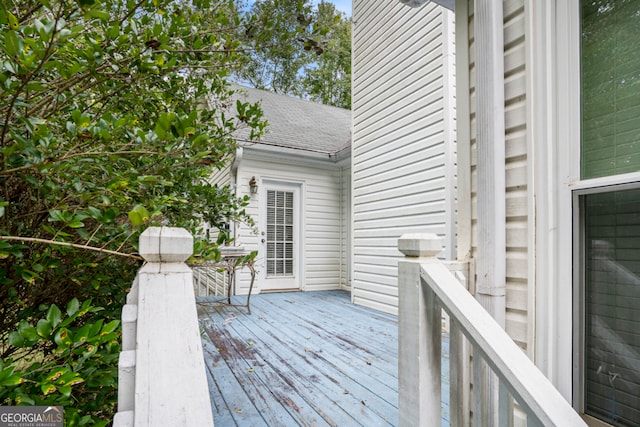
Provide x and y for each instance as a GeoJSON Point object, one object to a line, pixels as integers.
{"type": "Point", "coordinates": [516, 171]}
{"type": "Point", "coordinates": [517, 188]}
{"type": "Point", "coordinates": [403, 134]}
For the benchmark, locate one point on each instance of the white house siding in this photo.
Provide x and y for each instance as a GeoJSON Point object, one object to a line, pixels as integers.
{"type": "Point", "coordinates": [403, 149]}
{"type": "Point", "coordinates": [516, 159]}
{"type": "Point", "coordinates": [222, 176]}
{"type": "Point", "coordinates": [345, 224]}
{"type": "Point", "coordinates": [322, 219]}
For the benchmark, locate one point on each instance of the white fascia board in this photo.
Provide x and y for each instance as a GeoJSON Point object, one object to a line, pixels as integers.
{"type": "Point", "coordinates": [263, 152]}
{"type": "Point", "coordinates": [418, 3]}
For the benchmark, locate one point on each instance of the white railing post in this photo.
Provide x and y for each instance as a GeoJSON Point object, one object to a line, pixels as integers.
{"type": "Point", "coordinates": [419, 334]}
{"type": "Point", "coordinates": [163, 376]}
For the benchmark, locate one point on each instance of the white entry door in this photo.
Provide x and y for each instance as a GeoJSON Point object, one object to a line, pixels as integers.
{"type": "Point", "coordinates": [280, 237]}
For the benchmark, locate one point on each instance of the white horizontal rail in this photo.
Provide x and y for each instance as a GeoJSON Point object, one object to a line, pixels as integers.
{"type": "Point", "coordinates": [532, 390]}
{"type": "Point", "coordinates": [426, 287]}
{"type": "Point", "coordinates": [210, 280]}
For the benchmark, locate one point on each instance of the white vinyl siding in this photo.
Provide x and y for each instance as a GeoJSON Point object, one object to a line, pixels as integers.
{"type": "Point", "coordinates": [516, 162]}
{"type": "Point", "coordinates": [222, 176]}
{"type": "Point", "coordinates": [345, 276]}
{"type": "Point", "coordinates": [403, 148]}
{"type": "Point", "coordinates": [323, 241]}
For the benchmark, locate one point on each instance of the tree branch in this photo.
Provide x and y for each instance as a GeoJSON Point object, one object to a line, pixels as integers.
{"type": "Point", "coordinates": [91, 153]}
{"type": "Point", "coordinates": [132, 11]}
{"type": "Point", "coordinates": [250, 49]}
{"type": "Point", "coordinates": [71, 245]}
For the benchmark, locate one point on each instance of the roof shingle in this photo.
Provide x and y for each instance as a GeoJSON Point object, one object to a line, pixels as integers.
{"type": "Point", "coordinates": [299, 124]}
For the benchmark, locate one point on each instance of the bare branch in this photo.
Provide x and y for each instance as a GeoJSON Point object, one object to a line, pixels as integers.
{"type": "Point", "coordinates": [204, 50]}
{"type": "Point", "coordinates": [132, 11]}
{"type": "Point", "coordinates": [87, 154]}
{"type": "Point", "coordinates": [71, 245]}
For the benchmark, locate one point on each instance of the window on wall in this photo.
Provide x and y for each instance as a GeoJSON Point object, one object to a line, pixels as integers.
{"type": "Point", "coordinates": [609, 213]}
{"type": "Point", "coordinates": [612, 306]}
{"type": "Point", "coordinates": [610, 66]}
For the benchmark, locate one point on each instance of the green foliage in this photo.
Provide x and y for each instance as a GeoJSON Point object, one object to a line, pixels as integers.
{"type": "Point", "coordinates": [328, 79]}
{"type": "Point", "coordinates": [113, 115]}
{"type": "Point", "coordinates": [276, 30]}
{"type": "Point", "coordinates": [64, 358]}
{"type": "Point", "coordinates": [299, 50]}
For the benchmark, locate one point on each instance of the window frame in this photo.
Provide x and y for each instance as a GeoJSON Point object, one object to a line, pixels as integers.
{"type": "Point", "coordinates": [585, 188]}
{"type": "Point", "coordinates": [580, 188]}
{"type": "Point", "coordinates": [275, 241]}
{"type": "Point", "coordinates": [554, 134]}
{"type": "Point", "coordinates": [297, 281]}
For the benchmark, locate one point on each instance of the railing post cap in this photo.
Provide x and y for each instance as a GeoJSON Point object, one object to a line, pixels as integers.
{"type": "Point", "coordinates": [420, 244]}
{"type": "Point", "coordinates": [166, 244]}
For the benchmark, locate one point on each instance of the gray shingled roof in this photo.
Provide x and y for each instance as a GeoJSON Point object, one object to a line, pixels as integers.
{"type": "Point", "coordinates": [298, 124]}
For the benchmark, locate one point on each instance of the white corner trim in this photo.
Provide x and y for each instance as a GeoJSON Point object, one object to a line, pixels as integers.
{"type": "Point", "coordinates": [490, 117]}
{"type": "Point", "coordinates": [554, 131]}
{"type": "Point", "coordinates": [449, 109]}
{"type": "Point", "coordinates": [463, 132]}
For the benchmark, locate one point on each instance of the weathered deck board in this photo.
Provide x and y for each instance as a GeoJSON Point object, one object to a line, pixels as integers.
{"type": "Point", "coordinates": [302, 359]}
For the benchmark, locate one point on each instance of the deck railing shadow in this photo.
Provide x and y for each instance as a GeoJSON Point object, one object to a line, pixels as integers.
{"type": "Point", "coordinates": [426, 289]}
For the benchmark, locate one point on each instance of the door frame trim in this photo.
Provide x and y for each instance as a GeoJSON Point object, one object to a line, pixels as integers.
{"type": "Point", "coordinates": [298, 187]}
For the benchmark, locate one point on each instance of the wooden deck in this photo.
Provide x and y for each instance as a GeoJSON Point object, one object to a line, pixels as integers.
{"type": "Point", "coordinates": [303, 359]}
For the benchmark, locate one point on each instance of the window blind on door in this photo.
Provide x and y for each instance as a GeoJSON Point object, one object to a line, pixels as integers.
{"type": "Point", "coordinates": [279, 233]}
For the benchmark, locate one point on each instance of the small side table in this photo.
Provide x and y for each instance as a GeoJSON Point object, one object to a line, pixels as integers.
{"type": "Point", "coordinates": [229, 263]}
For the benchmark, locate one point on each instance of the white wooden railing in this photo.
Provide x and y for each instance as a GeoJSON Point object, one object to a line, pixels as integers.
{"type": "Point", "coordinates": [162, 379]}
{"type": "Point", "coordinates": [426, 288]}
{"type": "Point", "coordinates": [216, 278]}
{"type": "Point", "coordinates": [210, 280]}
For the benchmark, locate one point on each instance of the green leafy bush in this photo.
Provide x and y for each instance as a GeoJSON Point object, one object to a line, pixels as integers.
{"type": "Point", "coordinates": [113, 116]}
{"type": "Point", "coordinates": [67, 358]}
